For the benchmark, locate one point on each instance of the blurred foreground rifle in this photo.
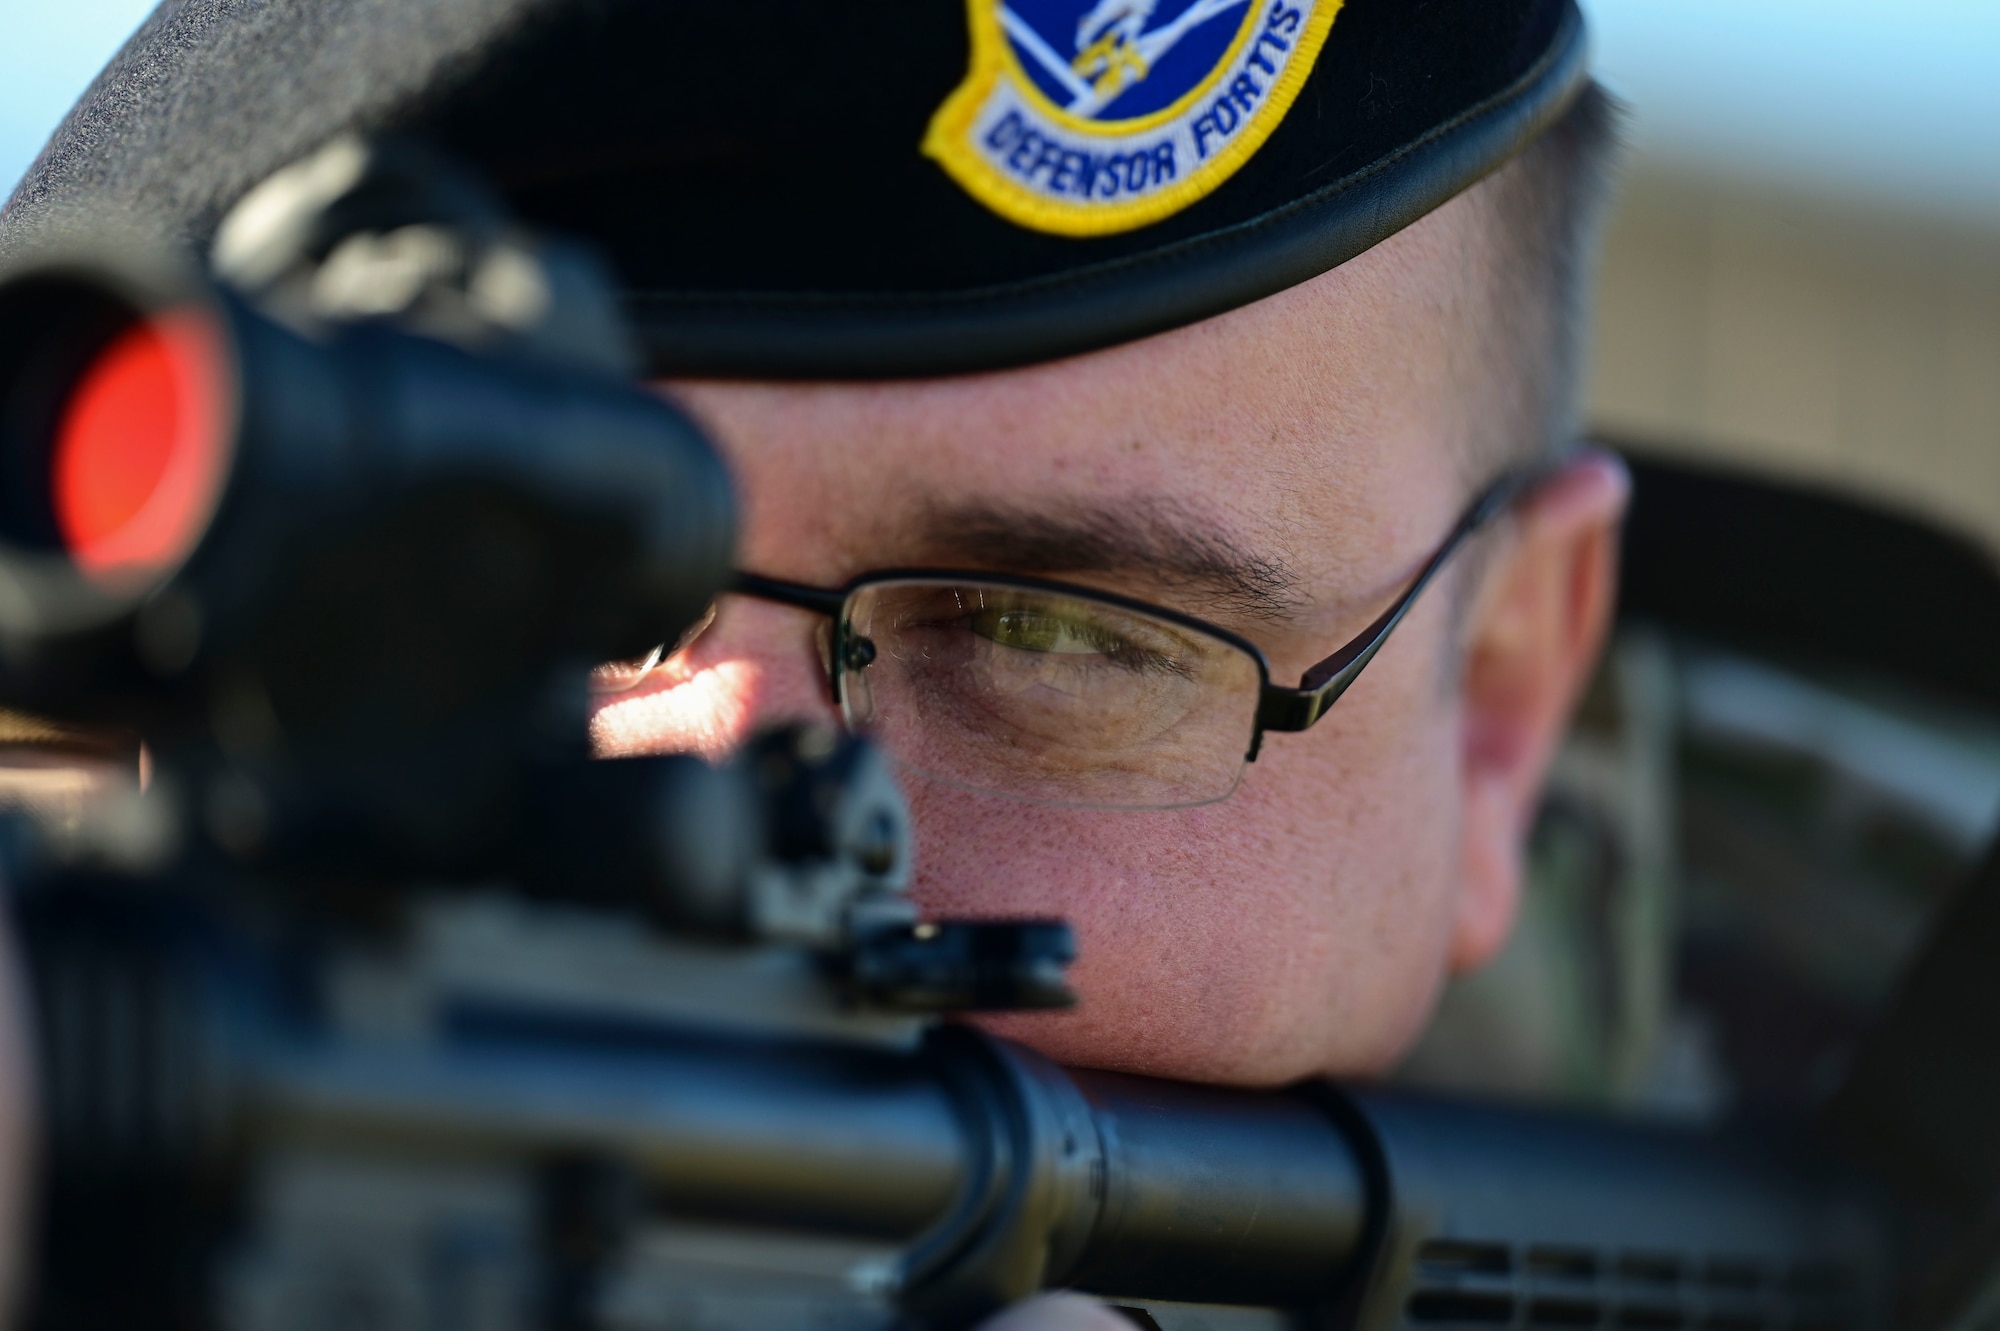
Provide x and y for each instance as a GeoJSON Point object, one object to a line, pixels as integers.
{"type": "Point", "coordinates": [384, 1007]}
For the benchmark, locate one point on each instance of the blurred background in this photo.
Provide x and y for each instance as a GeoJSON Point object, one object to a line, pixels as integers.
{"type": "Point", "coordinates": [1792, 754]}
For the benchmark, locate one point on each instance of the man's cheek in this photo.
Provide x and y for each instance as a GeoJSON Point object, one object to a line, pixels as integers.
{"type": "Point", "coordinates": [1127, 881]}
{"type": "Point", "coordinates": [982, 855]}
{"type": "Point", "coordinates": [1178, 940]}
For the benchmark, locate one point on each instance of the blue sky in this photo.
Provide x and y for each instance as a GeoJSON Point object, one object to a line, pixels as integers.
{"type": "Point", "coordinates": [49, 50]}
{"type": "Point", "coordinates": [1886, 102]}
{"type": "Point", "coordinates": [1875, 101]}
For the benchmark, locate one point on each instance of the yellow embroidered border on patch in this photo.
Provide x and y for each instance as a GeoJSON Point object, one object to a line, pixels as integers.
{"type": "Point", "coordinates": [1010, 143]}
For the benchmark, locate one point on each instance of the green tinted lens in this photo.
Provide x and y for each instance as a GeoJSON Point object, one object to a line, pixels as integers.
{"type": "Point", "coordinates": [1050, 697]}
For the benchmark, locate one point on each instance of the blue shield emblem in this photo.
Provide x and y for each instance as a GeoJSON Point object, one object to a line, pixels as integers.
{"type": "Point", "coordinates": [1084, 117]}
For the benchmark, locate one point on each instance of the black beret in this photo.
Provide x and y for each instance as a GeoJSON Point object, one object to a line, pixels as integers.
{"type": "Point", "coordinates": [871, 189]}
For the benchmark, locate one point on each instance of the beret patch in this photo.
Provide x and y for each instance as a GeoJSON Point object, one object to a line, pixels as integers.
{"type": "Point", "coordinates": [1085, 117]}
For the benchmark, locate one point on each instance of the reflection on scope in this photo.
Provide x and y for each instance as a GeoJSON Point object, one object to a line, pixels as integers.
{"type": "Point", "coordinates": [137, 449]}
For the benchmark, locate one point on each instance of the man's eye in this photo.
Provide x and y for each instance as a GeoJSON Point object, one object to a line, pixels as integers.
{"type": "Point", "coordinates": [1036, 631]}
{"type": "Point", "coordinates": [1128, 645]}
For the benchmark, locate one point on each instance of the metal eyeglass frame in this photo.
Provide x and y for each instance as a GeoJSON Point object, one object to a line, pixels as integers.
{"type": "Point", "coordinates": [1278, 708]}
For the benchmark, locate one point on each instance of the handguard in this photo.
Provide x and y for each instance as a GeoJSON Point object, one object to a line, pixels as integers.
{"type": "Point", "coordinates": [551, 1116]}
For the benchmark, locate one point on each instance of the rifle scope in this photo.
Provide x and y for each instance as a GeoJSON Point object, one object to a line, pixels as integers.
{"type": "Point", "coordinates": [193, 495]}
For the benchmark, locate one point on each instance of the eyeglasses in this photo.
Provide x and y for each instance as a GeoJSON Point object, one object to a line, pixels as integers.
{"type": "Point", "coordinates": [1056, 694]}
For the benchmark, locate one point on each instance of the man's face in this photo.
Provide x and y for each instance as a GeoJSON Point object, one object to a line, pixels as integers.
{"type": "Point", "coordinates": [1281, 470]}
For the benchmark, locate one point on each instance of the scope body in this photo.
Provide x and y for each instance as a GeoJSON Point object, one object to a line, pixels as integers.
{"type": "Point", "coordinates": [309, 513]}
{"type": "Point", "coordinates": [348, 578]}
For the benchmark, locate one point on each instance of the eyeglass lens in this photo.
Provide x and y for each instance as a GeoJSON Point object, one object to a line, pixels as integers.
{"type": "Point", "coordinates": [1046, 697]}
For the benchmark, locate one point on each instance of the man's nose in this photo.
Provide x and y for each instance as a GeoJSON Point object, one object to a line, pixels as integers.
{"type": "Point", "coordinates": [755, 666]}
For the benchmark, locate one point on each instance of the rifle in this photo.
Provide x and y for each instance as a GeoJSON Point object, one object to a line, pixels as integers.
{"type": "Point", "coordinates": [385, 1006]}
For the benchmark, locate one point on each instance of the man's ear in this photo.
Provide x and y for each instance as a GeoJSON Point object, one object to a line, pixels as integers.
{"type": "Point", "coordinates": [1531, 640]}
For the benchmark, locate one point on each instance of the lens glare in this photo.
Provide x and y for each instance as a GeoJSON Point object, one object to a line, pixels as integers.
{"type": "Point", "coordinates": [1053, 698]}
{"type": "Point", "coordinates": [138, 448]}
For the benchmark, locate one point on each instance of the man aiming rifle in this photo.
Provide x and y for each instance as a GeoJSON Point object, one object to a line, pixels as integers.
{"type": "Point", "coordinates": [1102, 390]}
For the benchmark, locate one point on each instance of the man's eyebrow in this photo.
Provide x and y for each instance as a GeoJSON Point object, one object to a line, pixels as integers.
{"type": "Point", "coordinates": [1170, 545]}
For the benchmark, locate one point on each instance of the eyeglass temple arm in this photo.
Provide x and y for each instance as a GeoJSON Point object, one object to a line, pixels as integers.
{"type": "Point", "coordinates": [1281, 708]}
{"type": "Point", "coordinates": [818, 600]}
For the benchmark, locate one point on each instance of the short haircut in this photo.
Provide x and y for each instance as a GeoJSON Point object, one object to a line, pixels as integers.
{"type": "Point", "coordinates": [1544, 215]}
{"type": "Point", "coordinates": [1547, 208]}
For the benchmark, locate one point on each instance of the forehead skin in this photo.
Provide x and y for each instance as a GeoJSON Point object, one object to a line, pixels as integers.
{"type": "Point", "coordinates": [1302, 925]}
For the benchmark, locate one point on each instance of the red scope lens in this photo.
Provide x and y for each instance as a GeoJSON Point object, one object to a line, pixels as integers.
{"type": "Point", "coordinates": [138, 447]}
